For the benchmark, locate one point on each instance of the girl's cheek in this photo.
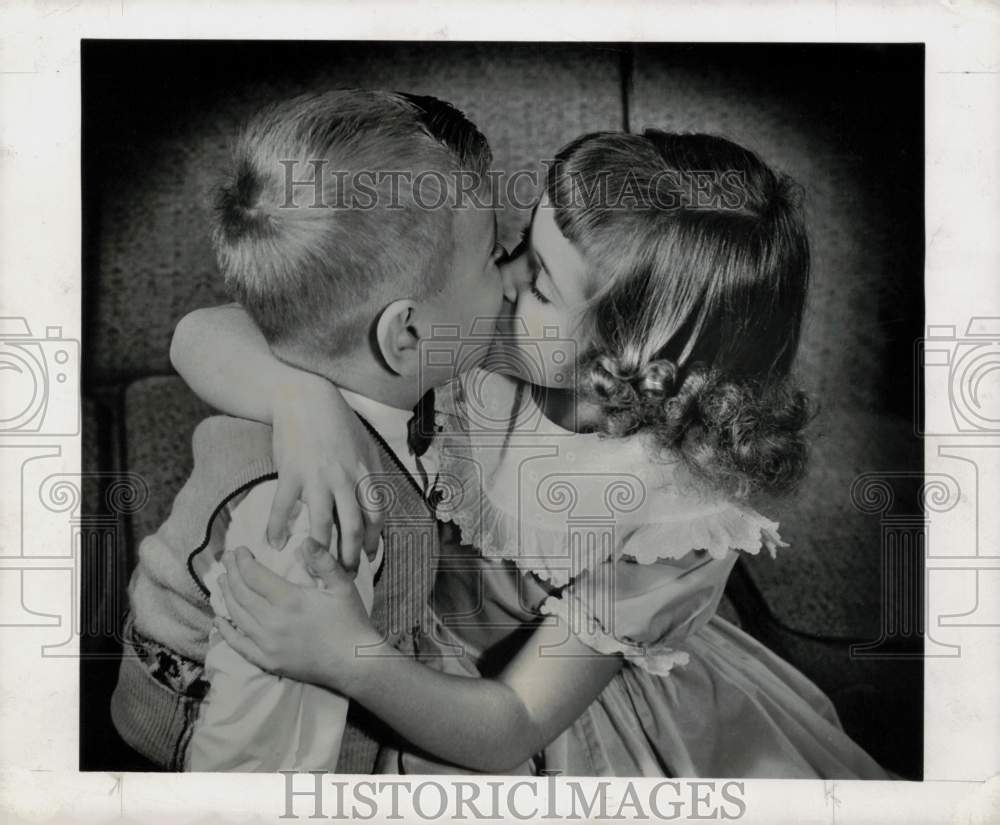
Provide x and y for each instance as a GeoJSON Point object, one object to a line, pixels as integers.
{"type": "Point", "coordinates": [550, 322]}
{"type": "Point", "coordinates": [523, 309]}
{"type": "Point", "coordinates": [534, 318]}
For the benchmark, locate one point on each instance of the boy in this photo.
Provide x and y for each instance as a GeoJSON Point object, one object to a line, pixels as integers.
{"type": "Point", "coordinates": [343, 234]}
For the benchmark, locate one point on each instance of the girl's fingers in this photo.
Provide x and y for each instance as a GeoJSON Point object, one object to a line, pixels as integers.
{"type": "Point", "coordinates": [285, 498]}
{"type": "Point", "coordinates": [243, 620]}
{"type": "Point", "coordinates": [319, 561]}
{"type": "Point", "coordinates": [243, 645]}
{"type": "Point", "coordinates": [244, 597]}
{"type": "Point", "coordinates": [243, 567]}
{"type": "Point", "coordinates": [320, 505]}
{"type": "Point", "coordinates": [374, 518]}
{"type": "Point", "coordinates": [350, 526]}
{"type": "Point", "coordinates": [321, 564]}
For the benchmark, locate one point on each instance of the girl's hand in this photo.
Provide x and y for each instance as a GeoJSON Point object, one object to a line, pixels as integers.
{"type": "Point", "coordinates": [306, 633]}
{"type": "Point", "coordinates": [323, 452]}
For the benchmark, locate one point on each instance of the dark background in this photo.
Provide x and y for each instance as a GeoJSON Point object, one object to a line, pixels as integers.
{"type": "Point", "coordinates": [845, 121]}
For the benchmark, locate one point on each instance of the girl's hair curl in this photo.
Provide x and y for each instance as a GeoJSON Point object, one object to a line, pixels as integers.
{"type": "Point", "coordinates": [738, 437]}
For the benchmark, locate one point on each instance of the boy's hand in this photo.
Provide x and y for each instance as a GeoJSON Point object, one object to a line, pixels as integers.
{"type": "Point", "coordinates": [323, 452]}
{"type": "Point", "coordinates": [308, 634]}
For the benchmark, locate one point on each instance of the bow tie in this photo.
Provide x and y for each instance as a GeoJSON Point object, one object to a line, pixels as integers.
{"type": "Point", "coordinates": [420, 428]}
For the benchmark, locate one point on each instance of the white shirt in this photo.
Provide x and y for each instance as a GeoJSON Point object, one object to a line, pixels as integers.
{"type": "Point", "coordinates": [252, 720]}
{"type": "Point", "coordinates": [392, 424]}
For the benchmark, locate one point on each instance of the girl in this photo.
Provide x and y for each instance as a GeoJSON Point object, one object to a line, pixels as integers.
{"type": "Point", "coordinates": [602, 505]}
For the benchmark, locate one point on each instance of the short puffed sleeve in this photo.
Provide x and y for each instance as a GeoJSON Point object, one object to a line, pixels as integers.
{"type": "Point", "coordinates": [643, 611]}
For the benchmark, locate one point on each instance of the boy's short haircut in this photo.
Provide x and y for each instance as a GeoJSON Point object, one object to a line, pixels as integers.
{"type": "Point", "coordinates": [337, 204]}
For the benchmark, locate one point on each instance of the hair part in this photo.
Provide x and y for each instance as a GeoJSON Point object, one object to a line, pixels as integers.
{"type": "Point", "coordinates": [312, 271]}
{"type": "Point", "coordinates": [699, 267]}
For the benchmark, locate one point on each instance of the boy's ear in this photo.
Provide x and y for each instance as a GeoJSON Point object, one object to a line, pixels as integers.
{"type": "Point", "coordinates": [397, 337]}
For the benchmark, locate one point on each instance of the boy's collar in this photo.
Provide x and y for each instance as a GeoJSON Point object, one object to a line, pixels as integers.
{"type": "Point", "coordinates": [388, 420]}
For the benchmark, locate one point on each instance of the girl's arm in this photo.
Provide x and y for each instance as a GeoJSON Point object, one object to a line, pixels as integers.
{"type": "Point", "coordinates": [320, 447]}
{"type": "Point", "coordinates": [485, 724]}
{"type": "Point", "coordinates": [227, 363]}
{"type": "Point", "coordinates": [490, 725]}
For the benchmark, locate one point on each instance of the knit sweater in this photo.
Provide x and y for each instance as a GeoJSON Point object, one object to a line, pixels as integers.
{"type": "Point", "coordinates": [160, 684]}
{"type": "Point", "coordinates": [168, 599]}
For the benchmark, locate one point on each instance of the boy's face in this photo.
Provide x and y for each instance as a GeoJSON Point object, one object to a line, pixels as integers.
{"type": "Point", "coordinates": [460, 320]}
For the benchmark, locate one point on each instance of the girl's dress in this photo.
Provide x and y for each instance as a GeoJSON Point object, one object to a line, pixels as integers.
{"type": "Point", "coordinates": [629, 556]}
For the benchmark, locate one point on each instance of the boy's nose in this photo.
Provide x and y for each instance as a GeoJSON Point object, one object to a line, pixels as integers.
{"type": "Point", "coordinates": [514, 274]}
{"type": "Point", "coordinates": [507, 279]}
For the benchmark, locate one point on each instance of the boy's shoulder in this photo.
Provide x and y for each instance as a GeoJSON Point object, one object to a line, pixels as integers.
{"type": "Point", "coordinates": [231, 455]}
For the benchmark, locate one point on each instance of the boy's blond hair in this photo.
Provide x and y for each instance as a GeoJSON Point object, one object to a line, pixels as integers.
{"type": "Point", "coordinates": [330, 212]}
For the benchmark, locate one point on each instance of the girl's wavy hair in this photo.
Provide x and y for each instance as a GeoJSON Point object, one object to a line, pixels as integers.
{"type": "Point", "coordinates": [699, 268]}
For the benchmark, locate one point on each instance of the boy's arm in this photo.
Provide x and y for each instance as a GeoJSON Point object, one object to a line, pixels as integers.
{"type": "Point", "coordinates": [250, 719]}
{"type": "Point", "coordinates": [321, 450]}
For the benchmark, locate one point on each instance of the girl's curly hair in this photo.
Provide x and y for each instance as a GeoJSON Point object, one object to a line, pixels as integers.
{"type": "Point", "coordinates": [699, 268]}
{"type": "Point", "coordinates": [741, 437]}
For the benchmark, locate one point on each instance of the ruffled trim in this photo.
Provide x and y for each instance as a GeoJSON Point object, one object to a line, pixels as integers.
{"type": "Point", "coordinates": [658, 659]}
{"type": "Point", "coordinates": [734, 528]}
{"type": "Point", "coordinates": [546, 551]}
{"type": "Point", "coordinates": [674, 520]}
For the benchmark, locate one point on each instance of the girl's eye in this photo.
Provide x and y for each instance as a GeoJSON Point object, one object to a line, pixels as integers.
{"type": "Point", "coordinates": [534, 291]}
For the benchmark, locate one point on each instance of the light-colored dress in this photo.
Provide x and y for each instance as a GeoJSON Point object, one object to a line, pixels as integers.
{"type": "Point", "coordinates": [631, 557]}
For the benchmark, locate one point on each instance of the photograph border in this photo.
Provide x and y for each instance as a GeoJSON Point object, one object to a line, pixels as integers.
{"type": "Point", "coordinates": [40, 254]}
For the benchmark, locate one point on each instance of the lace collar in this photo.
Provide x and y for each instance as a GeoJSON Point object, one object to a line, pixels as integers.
{"type": "Point", "coordinates": [557, 502]}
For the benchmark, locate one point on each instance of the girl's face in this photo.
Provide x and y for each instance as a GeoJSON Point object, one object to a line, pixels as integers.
{"type": "Point", "coordinates": [550, 276]}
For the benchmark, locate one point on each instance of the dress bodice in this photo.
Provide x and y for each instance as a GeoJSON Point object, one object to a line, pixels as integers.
{"type": "Point", "coordinates": [612, 537]}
